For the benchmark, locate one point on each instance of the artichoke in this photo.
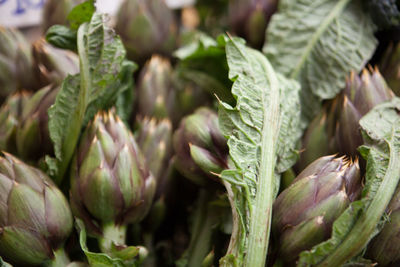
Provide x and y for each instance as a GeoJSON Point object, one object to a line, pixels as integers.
{"type": "Point", "coordinates": [111, 185]}
{"type": "Point", "coordinates": [385, 247]}
{"type": "Point", "coordinates": [155, 92]}
{"type": "Point", "coordinates": [303, 213]}
{"type": "Point", "coordinates": [146, 27]}
{"type": "Point", "coordinates": [10, 116]}
{"type": "Point", "coordinates": [154, 139]}
{"type": "Point", "coordinates": [56, 12]}
{"type": "Point", "coordinates": [15, 62]}
{"type": "Point", "coordinates": [35, 218]}
{"type": "Point", "coordinates": [249, 18]}
{"type": "Point", "coordinates": [200, 148]}
{"type": "Point", "coordinates": [361, 94]}
{"type": "Point", "coordinates": [52, 65]}
{"type": "Point", "coordinates": [32, 134]}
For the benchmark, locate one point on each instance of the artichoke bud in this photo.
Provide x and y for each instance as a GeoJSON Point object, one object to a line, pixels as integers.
{"type": "Point", "coordinates": [385, 247]}
{"type": "Point", "coordinates": [110, 182]}
{"type": "Point", "coordinates": [52, 65]}
{"type": "Point", "coordinates": [249, 19]}
{"type": "Point", "coordinates": [360, 95]}
{"type": "Point", "coordinates": [304, 212]}
{"type": "Point", "coordinates": [200, 148]}
{"type": "Point", "coordinates": [155, 88]}
{"type": "Point", "coordinates": [146, 27]}
{"type": "Point", "coordinates": [32, 134]}
{"type": "Point", "coordinates": [10, 115]}
{"type": "Point", "coordinates": [35, 218]}
{"type": "Point", "coordinates": [154, 139]}
{"type": "Point", "coordinates": [390, 67]}
{"type": "Point", "coordinates": [56, 12]}
{"type": "Point", "coordinates": [15, 62]}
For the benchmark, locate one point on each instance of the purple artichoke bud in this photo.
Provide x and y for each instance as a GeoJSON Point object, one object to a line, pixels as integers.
{"type": "Point", "coordinates": [56, 12]}
{"type": "Point", "coordinates": [52, 65]}
{"type": "Point", "coordinates": [303, 213]}
{"type": "Point", "coordinates": [35, 218]}
{"type": "Point", "coordinates": [15, 62]}
{"type": "Point", "coordinates": [390, 67]}
{"type": "Point", "coordinates": [10, 116]}
{"type": "Point", "coordinates": [200, 148]}
{"type": "Point", "coordinates": [32, 135]}
{"type": "Point", "coordinates": [361, 94]}
{"type": "Point", "coordinates": [110, 182]}
{"type": "Point", "coordinates": [154, 139]}
{"type": "Point", "coordinates": [146, 27]}
{"type": "Point", "coordinates": [249, 18]}
{"type": "Point", "coordinates": [155, 91]}
{"type": "Point", "coordinates": [385, 247]}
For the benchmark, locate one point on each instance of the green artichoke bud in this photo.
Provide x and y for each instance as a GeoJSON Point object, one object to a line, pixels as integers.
{"type": "Point", "coordinates": [146, 27]}
{"type": "Point", "coordinates": [110, 182]}
{"type": "Point", "coordinates": [249, 19]}
{"type": "Point", "coordinates": [56, 12]}
{"type": "Point", "coordinates": [360, 95]}
{"type": "Point", "coordinates": [155, 92]}
{"type": "Point", "coordinates": [35, 218]}
{"type": "Point", "coordinates": [15, 62]}
{"type": "Point", "coordinates": [303, 213]}
{"type": "Point", "coordinates": [200, 148]}
{"type": "Point", "coordinates": [32, 135]}
{"type": "Point", "coordinates": [10, 116]}
{"type": "Point", "coordinates": [390, 67]}
{"type": "Point", "coordinates": [385, 247]}
{"type": "Point", "coordinates": [154, 139]}
{"type": "Point", "coordinates": [52, 65]}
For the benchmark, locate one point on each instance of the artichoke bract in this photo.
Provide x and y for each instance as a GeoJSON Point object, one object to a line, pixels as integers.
{"type": "Point", "coordinates": [35, 218]}
{"type": "Point", "coordinates": [249, 18]}
{"type": "Point", "coordinates": [52, 65]}
{"type": "Point", "coordinates": [155, 91]}
{"type": "Point", "coordinates": [303, 213]}
{"type": "Point", "coordinates": [10, 116]}
{"type": "Point", "coordinates": [32, 134]}
{"type": "Point", "coordinates": [146, 27]}
{"type": "Point", "coordinates": [111, 185]}
{"type": "Point", "coordinates": [200, 148]}
{"type": "Point", "coordinates": [360, 95]}
{"type": "Point", "coordinates": [385, 247]}
{"type": "Point", "coordinates": [15, 62]}
{"type": "Point", "coordinates": [154, 139]}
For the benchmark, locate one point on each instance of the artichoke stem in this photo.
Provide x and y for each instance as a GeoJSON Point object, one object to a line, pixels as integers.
{"type": "Point", "coordinates": [205, 218]}
{"type": "Point", "coordinates": [60, 259]}
{"type": "Point", "coordinates": [112, 234]}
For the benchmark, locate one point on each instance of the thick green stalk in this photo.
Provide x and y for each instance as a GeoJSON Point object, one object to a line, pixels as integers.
{"type": "Point", "coordinates": [200, 243]}
{"type": "Point", "coordinates": [261, 212]}
{"type": "Point", "coordinates": [361, 232]}
{"type": "Point", "coordinates": [112, 234]}
{"type": "Point", "coordinates": [60, 259]}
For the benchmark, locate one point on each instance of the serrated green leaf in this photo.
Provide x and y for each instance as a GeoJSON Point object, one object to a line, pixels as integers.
{"type": "Point", "coordinates": [362, 220]}
{"type": "Point", "coordinates": [62, 37]}
{"type": "Point", "coordinates": [318, 42]}
{"type": "Point", "coordinates": [203, 61]}
{"type": "Point", "coordinates": [81, 13]}
{"type": "Point", "coordinates": [98, 259]}
{"type": "Point", "coordinates": [262, 130]}
{"type": "Point", "coordinates": [104, 74]}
